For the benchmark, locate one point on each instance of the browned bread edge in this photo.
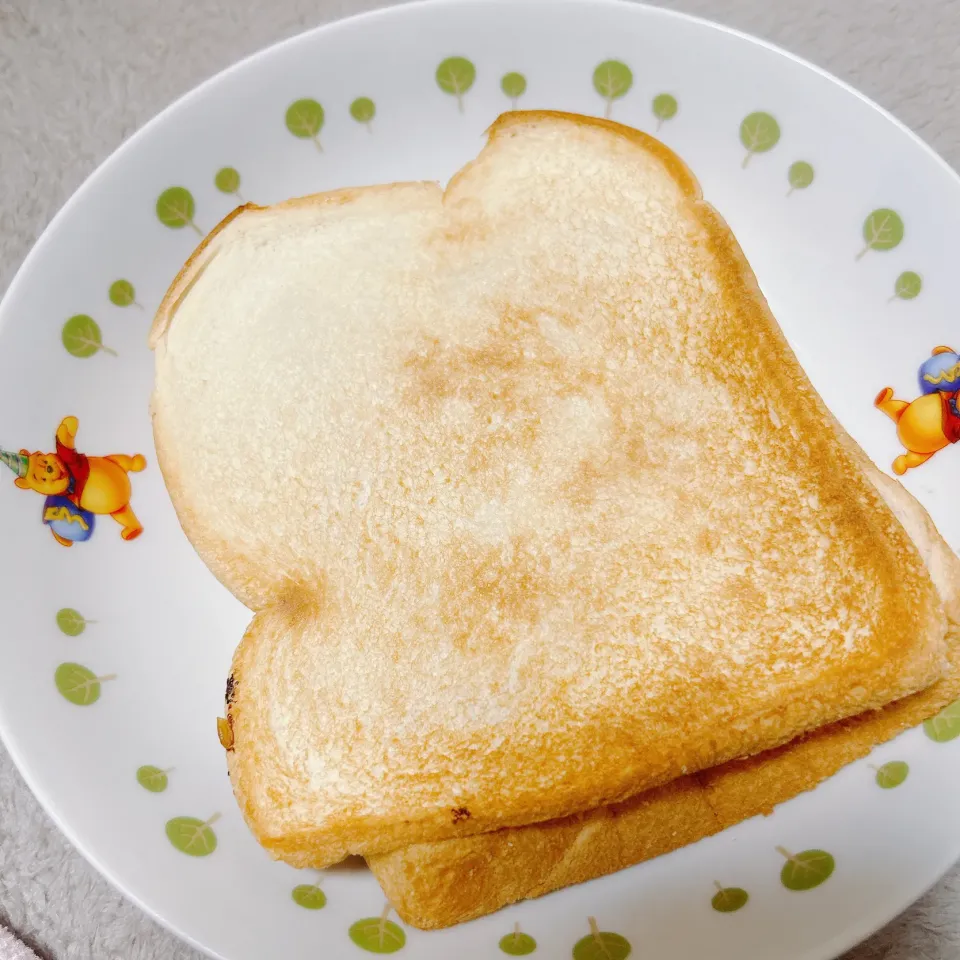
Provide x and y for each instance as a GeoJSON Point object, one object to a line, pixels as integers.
{"type": "Point", "coordinates": [433, 885]}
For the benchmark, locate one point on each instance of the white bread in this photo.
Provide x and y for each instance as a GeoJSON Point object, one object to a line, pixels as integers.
{"type": "Point", "coordinates": [534, 503]}
{"type": "Point", "coordinates": [439, 884]}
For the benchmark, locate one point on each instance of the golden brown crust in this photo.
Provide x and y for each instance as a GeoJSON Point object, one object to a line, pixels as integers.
{"type": "Point", "coordinates": [675, 167]}
{"type": "Point", "coordinates": [436, 885]}
{"type": "Point", "coordinates": [812, 493]}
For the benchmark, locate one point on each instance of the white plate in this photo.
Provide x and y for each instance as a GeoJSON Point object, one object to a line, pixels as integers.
{"type": "Point", "coordinates": [161, 626]}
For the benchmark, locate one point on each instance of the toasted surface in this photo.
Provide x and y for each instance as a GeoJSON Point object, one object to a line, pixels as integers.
{"type": "Point", "coordinates": [522, 480]}
{"type": "Point", "coordinates": [438, 884]}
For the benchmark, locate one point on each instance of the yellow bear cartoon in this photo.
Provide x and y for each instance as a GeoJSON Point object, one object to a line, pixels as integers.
{"type": "Point", "coordinates": [78, 487]}
{"type": "Point", "coordinates": [932, 421]}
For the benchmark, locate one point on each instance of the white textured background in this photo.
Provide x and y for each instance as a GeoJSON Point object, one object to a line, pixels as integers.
{"type": "Point", "coordinates": [79, 76]}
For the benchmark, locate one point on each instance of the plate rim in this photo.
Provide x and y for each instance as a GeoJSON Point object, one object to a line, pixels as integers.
{"type": "Point", "coordinates": [856, 932]}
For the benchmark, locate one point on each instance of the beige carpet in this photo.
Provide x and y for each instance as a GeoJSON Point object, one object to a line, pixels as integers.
{"type": "Point", "coordinates": [79, 76]}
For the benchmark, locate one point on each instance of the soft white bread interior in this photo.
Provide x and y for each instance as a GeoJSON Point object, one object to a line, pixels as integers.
{"type": "Point", "coordinates": [534, 503]}
{"type": "Point", "coordinates": [446, 882]}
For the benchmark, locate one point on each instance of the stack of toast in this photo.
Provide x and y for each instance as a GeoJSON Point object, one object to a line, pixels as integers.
{"type": "Point", "coordinates": [557, 560]}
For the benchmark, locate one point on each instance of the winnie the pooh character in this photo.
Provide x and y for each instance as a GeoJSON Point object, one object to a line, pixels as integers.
{"type": "Point", "coordinates": [77, 488]}
{"type": "Point", "coordinates": [932, 421]}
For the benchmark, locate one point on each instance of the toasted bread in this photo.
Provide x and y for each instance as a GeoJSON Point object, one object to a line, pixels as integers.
{"type": "Point", "coordinates": [534, 504]}
{"type": "Point", "coordinates": [438, 884]}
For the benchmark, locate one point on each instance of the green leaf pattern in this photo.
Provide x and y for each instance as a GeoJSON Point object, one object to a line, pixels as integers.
{"type": "Point", "coordinates": [907, 286]}
{"type": "Point", "coordinates": [759, 132]}
{"type": "Point", "coordinates": [122, 294]}
{"type": "Point", "coordinates": [378, 934]}
{"type": "Point", "coordinates": [309, 896]}
{"type": "Point", "coordinates": [304, 119]}
{"type": "Point", "coordinates": [664, 108]}
{"type": "Point", "coordinates": [601, 945]}
{"type": "Point", "coordinates": [78, 684]}
{"type": "Point", "coordinates": [363, 110]}
{"type": "Point", "coordinates": [152, 778]}
{"type": "Point", "coordinates": [455, 76]}
{"type": "Point", "coordinates": [612, 79]}
{"type": "Point", "coordinates": [882, 230]}
{"type": "Point", "coordinates": [514, 85]}
{"type": "Point", "coordinates": [81, 337]}
{"type": "Point", "coordinates": [70, 622]}
{"type": "Point", "coordinates": [945, 726]}
{"type": "Point", "coordinates": [892, 774]}
{"type": "Point", "coordinates": [227, 180]}
{"type": "Point", "coordinates": [806, 870]}
{"type": "Point", "coordinates": [192, 836]}
{"type": "Point", "coordinates": [175, 208]}
{"type": "Point", "coordinates": [517, 944]}
{"type": "Point", "coordinates": [729, 899]}
{"type": "Point", "coordinates": [800, 175]}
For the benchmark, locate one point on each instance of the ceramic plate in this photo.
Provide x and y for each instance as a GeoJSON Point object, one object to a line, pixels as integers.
{"type": "Point", "coordinates": [117, 640]}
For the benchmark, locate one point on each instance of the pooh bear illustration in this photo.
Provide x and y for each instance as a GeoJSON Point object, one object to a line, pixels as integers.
{"type": "Point", "coordinates": [78, 488]}
{"type": "Point", "coordinates": [932, 421]}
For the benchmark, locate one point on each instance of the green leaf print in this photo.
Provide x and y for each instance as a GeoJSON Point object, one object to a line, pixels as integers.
{"type": "Point", "coordinates": [175, 209]}
{"type": "Point", "coordinates": [612, 80]}
{"type": "Point", "coordinates": [309, 896]}
{"type": "Point", "coordinates": [892, 774]}
{"type": "Point", "coordinates": [82, 338]}
{"type": "Point", "coordinates": [153, 778]}
{"type": "Point", "coordinates": [78, 684]}
{"type": "Point", "coordinates": [665, 107]}
{"type": "Point", "coordinates": [514, 85]}
{"type": "Point", "coordinates": [759, 132]}
{"type": "Point", "coordinates": [192, 836]}
{"type": "Point", "coordinates": [517, 944]}
{"type": "Point", "coordinates": [455, 76]}
{"type": "Point", "coordinates": [363, 110]}
{"type": "Point", "coordinates": [800, 175]}
{"type": "Point", "coordinates": [882, 230]}
{"type": "Point", "coordinates": [304, 119]}
{"type": "Point", "coordinates": [907, 286]}
{"type": "Point", "coordinates": [227, 180]}
{"type": "Point", "coordinates": [600, 945]}
{"type": "Point", "coordinates": [729, 899]}
{"type": "Point", "coordinates": [806, 870]}
{"type": "Point", "coordinates": [378, 934]}
{"type": "Point", "coordinates": [122, 294]}
{"type": "Point", "coordinates": [945, 726]}
{"type": "Point", "coordinates": [71, 623]}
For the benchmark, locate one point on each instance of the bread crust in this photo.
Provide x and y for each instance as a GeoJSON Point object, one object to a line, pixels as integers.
{"type": "Point", "coordinates": [436, 885]}
{"type": "Point", "coordinates": [444, 780]}
{"type": "Point", "coordinates": [186, 276]}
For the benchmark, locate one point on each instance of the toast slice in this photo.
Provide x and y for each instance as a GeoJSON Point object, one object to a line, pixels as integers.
{"type": "Point", "coordinates": [533, 502]}
{"type": "Point", "coordinates": [438, 884]}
